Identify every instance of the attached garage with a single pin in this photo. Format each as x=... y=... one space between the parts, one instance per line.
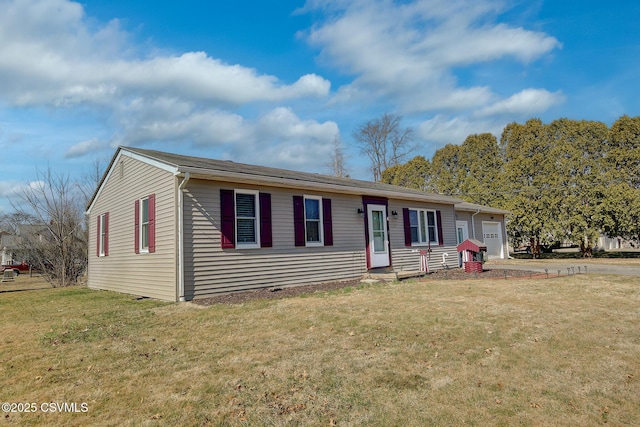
x=485 y=224
x=492 y=238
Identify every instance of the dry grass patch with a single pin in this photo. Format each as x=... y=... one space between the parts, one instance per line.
x=571 y=262
x=544 y=352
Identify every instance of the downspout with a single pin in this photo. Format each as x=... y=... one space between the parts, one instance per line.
x=504 y=226
x=181 y=188
x=473 y=224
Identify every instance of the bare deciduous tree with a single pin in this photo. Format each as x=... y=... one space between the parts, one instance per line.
x=90 y=180
x=11 y=222
x=385 y=142
x=55 y=239
x=337 y=160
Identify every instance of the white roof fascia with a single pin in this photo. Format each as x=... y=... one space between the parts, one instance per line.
x=161 y=165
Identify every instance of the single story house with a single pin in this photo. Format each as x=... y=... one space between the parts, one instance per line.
x=176 y=227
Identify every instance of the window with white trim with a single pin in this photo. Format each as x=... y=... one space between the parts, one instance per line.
x=103 y=235
x=247 y=223
x=144 y=225
x=423 y=225
x=102 y=241
x=313 y=220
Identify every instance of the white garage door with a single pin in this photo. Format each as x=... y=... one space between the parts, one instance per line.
x=492 y=237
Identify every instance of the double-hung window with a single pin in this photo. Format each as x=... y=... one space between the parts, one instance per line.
x=312 y=224
x=423 y=226
x=245 y=219
x=103 y=235
x=145 y=224
x=313 y=220
x=247 y=214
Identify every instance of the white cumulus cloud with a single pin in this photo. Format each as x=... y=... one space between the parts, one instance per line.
x=526 y=102
x=408 y=52
x=51 y=55
x=442 y=129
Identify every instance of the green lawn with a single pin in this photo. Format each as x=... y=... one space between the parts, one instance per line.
x=563 y=351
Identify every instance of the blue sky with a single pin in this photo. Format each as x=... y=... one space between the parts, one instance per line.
x=274 y=83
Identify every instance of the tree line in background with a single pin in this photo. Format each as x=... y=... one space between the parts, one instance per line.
x=566 y=181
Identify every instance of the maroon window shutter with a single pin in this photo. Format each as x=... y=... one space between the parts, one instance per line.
x=327 y=223
x=439 y=224
x=136 y=237
x=98 y=239
x=266 y=240
x=228 y=219
x=407 y=226
x=298 y=220
x=152 y=223
x=106 y=234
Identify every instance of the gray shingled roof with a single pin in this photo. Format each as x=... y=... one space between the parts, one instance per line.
x=210 y=167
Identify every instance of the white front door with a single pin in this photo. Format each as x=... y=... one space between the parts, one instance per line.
x=462 y=232
x=492 y=238
x=378 y=236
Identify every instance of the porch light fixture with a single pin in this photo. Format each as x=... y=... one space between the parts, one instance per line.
x=361 y=212
x=394 y=213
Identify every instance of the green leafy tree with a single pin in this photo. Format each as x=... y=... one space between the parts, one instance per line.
x=533 y=202
x=619 y=214
x=448 y=170
x=416 y=173
x=620 y=211
x=578 y=150
x=472 y=171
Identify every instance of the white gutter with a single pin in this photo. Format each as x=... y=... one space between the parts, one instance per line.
x=181 y=188
x=473 y=224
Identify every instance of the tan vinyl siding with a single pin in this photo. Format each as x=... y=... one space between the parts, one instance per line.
x=491 y=218
x=466 y=216
x=407 y=257
x=146 y=274
x=210 y=269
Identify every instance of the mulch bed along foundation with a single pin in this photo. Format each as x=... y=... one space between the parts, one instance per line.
x=291 y=291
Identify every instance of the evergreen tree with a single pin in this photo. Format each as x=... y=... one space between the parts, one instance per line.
x=533 y=202
x=416 y=173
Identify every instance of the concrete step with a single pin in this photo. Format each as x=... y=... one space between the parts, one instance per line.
x=389 y=275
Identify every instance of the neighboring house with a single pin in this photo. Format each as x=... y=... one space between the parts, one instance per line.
x=606 y=243
x=8 y=244
x=177 y=227
x=15 y=248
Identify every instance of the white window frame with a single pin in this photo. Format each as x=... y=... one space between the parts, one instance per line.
x=103 y=234
x=256 y=201
x=320 y=221
x=421 y=224
x=144 y=249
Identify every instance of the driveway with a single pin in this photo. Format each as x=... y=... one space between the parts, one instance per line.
x=629 y=267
